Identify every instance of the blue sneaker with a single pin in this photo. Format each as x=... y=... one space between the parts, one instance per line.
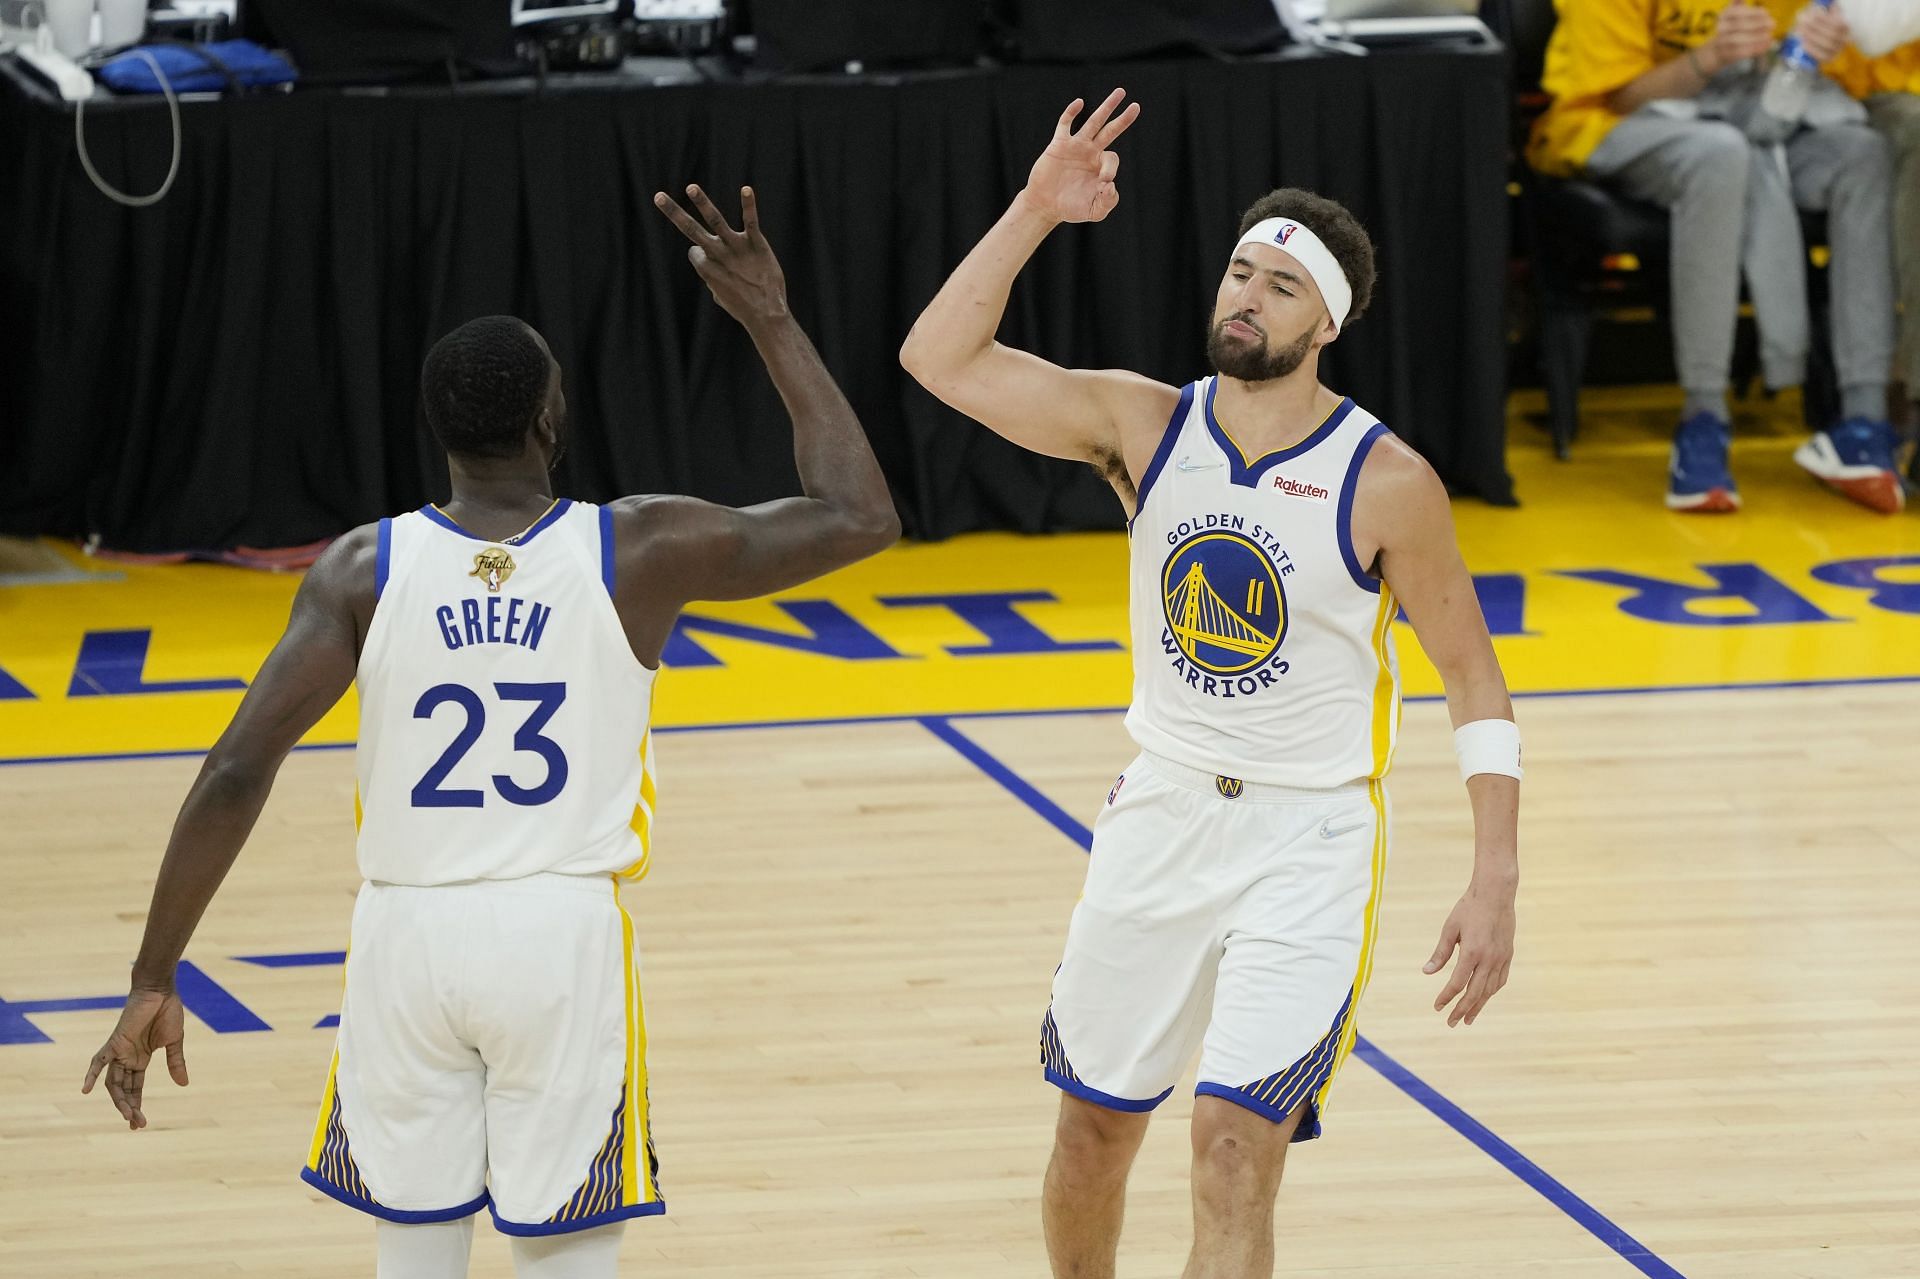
x=1698 y=480
x=1855 y=459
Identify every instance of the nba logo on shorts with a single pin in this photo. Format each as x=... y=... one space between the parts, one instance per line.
x=1115 y=792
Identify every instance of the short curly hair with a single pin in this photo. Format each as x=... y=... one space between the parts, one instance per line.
x=483 y=385
x=1337 y=228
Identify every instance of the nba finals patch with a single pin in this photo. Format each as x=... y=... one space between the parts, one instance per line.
x=493 y=566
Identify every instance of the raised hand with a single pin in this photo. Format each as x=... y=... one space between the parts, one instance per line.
x=151 y=1021
x=1072 y=181
x=738 y=266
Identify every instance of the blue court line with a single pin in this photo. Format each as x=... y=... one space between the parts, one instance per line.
x=1024 y=791
x=836 y=721
x=1596 y=1223
x=1554 y=1192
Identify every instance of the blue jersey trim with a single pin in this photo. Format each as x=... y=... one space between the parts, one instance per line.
x=395 y=1215
x=1343 y=514
x=622 y=1213
x=382 y=557
x=1162 y=453
x=1309 y=1123
x=544 y=522
x=1074 y=1087
x=1249 y=473
x=446 y=521
x=606 y=547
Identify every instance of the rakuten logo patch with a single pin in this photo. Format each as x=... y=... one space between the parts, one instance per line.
x=1295 y=488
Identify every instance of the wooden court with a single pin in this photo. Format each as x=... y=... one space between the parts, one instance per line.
x=1704 y=1066
x=848 y=933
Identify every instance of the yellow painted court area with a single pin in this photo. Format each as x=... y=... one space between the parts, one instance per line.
x=1799 y=587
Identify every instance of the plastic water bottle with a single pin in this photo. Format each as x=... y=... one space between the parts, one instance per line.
x=1789 y=86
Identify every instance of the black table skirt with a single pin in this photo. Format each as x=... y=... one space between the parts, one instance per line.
x=238 y=365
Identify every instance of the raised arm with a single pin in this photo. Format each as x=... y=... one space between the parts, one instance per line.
x=672 y=550
x=1401 y=509
x=307 y=672
x=1108 y=417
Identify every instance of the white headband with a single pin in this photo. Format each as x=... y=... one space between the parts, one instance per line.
x=1305 y=247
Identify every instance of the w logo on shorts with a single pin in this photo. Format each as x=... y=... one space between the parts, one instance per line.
x=1229 y=787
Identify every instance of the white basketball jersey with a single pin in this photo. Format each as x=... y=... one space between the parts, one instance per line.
x=1262 y=649
x=503 y=716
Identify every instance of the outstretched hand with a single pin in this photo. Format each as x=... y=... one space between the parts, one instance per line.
x=738 y=266
x=151 y=1021
x=1073 y=180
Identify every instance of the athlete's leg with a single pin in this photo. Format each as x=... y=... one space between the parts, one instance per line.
x=1086 y=1187
x=435 y=1251
x=584 y=1254
x=1237 y=1160
x=1130 y=1000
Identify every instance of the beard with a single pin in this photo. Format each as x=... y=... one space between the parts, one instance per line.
x=1244 y=362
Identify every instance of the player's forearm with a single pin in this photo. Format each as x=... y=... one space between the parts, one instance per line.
x=1477 y=690
x=1496 y=831
x=1675 y=78
x=213 y=825
x=830 y=448
x=964 y=315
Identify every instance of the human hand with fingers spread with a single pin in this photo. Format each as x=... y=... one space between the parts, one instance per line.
x=1481 y=930
x=738 y=266
x=1073 y=180
x=152 y=1021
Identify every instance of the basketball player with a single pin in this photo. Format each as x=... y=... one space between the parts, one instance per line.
x=491 y=1051
x=1276 y=530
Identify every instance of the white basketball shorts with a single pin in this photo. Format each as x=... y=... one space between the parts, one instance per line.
x=492 y=1054
x=1224 y=915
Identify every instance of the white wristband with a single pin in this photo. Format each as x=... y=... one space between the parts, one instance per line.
x=1488 y=746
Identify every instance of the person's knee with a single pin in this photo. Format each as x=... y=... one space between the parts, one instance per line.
x=1861 y=146
x=1901 y=123
x=1233 y=1147
x=1716 y=156
x=582 y=1254
x=433 y=1250
x=1093 y=1139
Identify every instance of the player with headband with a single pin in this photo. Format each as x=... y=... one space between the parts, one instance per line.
x=1277 y=529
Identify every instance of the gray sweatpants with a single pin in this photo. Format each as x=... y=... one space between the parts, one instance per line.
x=1897 y=116
x=1733 y=208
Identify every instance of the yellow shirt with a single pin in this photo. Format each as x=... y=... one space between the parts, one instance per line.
x=1896 y=71
x=1600 y=45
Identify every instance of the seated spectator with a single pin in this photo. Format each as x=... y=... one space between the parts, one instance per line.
x=1656 y=98
x=1890 y=87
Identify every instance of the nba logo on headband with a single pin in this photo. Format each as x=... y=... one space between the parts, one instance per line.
x=1307 y=249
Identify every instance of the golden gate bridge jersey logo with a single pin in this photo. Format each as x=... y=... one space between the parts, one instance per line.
x=1226 y=611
